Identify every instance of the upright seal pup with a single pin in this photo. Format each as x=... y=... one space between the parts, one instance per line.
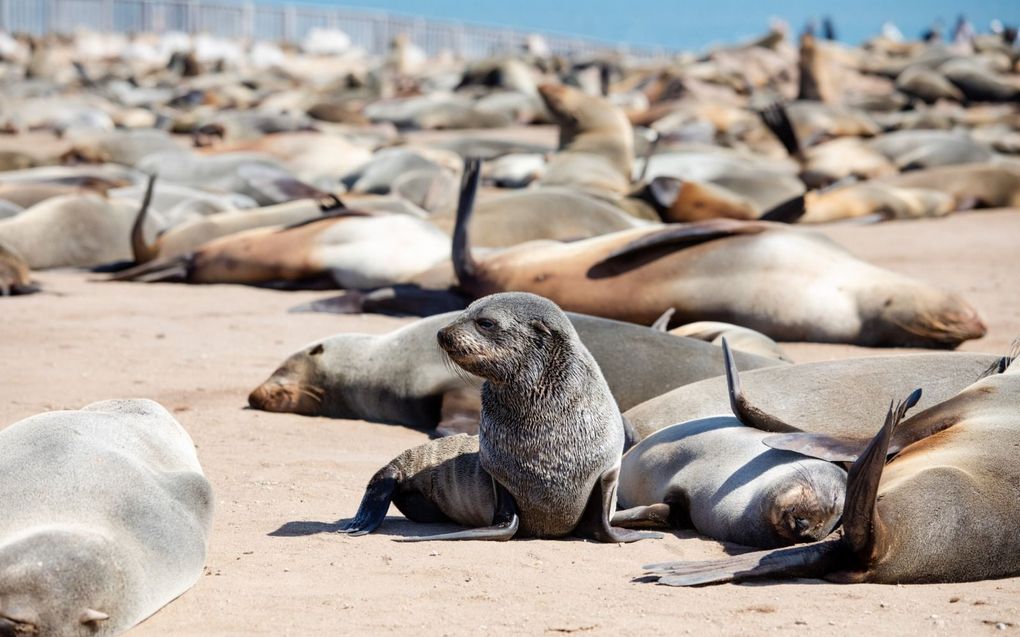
x=718 y=270
x=111 y=521
x=551 y=435
x=944 y=509
x=403 y=377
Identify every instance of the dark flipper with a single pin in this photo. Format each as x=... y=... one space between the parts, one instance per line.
x=864 y=532
x=652 y=516
x=595 y=523
x=396 y=300
x=464 y=264
x=790 y=211
x=173 y=270
x=808 y=560
x=504 y=523
x=661 y=324
x=775 y=117
x=746 y=413
x=375 y=503
x=673 y=238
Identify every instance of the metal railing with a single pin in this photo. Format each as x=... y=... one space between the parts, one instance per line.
x=370 y=30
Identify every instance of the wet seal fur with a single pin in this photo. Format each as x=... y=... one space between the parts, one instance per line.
x=112 y=519
x=942 y=510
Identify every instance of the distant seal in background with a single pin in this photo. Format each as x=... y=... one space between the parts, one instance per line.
x=596 y=149
x=544 y=391
x=403 y=377
x=740 y=338
x=942 y=510
x=112 y=519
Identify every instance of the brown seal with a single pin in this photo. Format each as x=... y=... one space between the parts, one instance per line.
x=718 y=270
x=942 y=510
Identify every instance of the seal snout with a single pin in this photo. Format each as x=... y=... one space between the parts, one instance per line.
x=290 y=397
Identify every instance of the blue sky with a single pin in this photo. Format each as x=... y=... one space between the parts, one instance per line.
x=696 y=23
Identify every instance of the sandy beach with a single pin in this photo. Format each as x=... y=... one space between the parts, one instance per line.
x=281 y=481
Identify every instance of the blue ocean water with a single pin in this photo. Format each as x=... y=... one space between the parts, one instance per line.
x=694 y=24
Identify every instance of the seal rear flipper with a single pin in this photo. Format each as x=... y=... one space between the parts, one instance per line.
x=775 y=117
x=746 y=413
x=279 y=186
x=661 y=324
x=396 y=300
x=174 y=270
x=790 y=211
x=142 y=251
x=504 y=523
x=375 y=503
x=652 y=516
x=595 y=523
x=806 y=560
x=821 y=446
x=864 y=532
x=464 y=265
x=673 y=238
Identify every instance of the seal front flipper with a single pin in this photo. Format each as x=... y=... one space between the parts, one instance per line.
x=673 y=238
x=807 y=560
x=375 y=503
x=746 y=413
x=504 y=523
x=595 y=523
x=661 y=324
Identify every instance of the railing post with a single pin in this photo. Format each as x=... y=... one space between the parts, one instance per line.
x=289 y=23
x=248 y=20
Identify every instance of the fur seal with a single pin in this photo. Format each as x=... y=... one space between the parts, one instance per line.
x=715 y=270
x=810 y=393
x=543 y=391
x=982 y=185
x=112 y=522
x=740 y=338
x=716 y=475
x=942 y=510
x=75 y=230
x=596 y=149
x=403 y=377
x=346 y=248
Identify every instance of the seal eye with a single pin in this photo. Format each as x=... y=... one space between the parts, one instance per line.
x=485 y=324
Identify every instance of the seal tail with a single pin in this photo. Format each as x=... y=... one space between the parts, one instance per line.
x=143 y=251
x=863 y=530
x=173 y=270
x=775 y=117
x=375 y=503
x=809 y=560
x=464 y=264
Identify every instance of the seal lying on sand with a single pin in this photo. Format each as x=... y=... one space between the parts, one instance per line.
x=543 y=390
x=403 y=377
x=944 y=509
x=788 y=284
x=346 y=248
x=824 y=397
x=112 y=519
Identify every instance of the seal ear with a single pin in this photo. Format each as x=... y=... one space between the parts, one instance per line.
x=92 y=616
x=540 y=326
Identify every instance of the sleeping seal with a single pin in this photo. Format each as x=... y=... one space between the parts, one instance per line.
x=112 y=519
x=717 y=270
x=942 y=510
x=403 y=377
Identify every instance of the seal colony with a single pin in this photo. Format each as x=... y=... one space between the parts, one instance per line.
x=580 y=293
